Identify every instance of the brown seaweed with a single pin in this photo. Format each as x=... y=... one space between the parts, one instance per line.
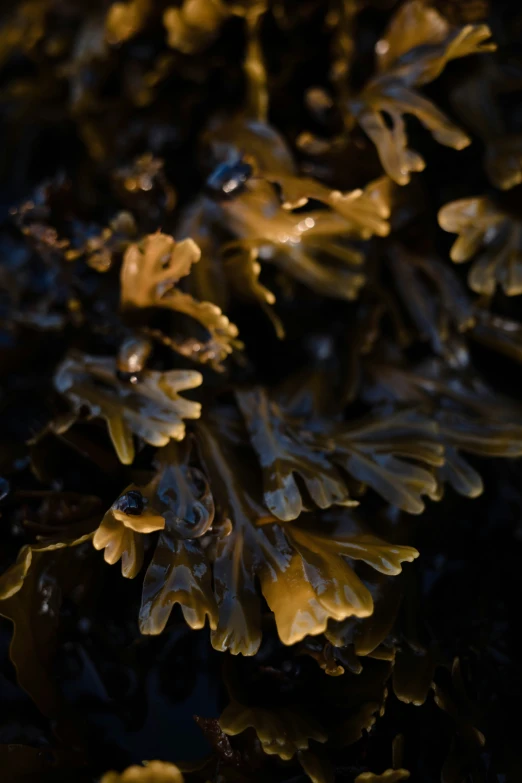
x=241 y=363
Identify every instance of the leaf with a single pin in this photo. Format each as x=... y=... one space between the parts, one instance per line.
x=307 y=264
x=469 y=416
x=284 y=453
x=486 y=86
x=282 y=732
x=413 y=674
x=120 y=534
x=503 y=161
x=298 y=243
x=485 y=438
x=150 y=273
x=33 y=642
x=152 y=772
x=368 y=633
x=457 y=472
x=31 y=594
x=177 y=503
x=207 y=280
x=150 y=408
x=413 y=25
x=317 y=576
x=434 y=297
x=414 y=51
x=152 y=267
x=13 y=578
x=228 y=138
x=243 y=270
x=179 y=571
x=236 y=559
x=365 y=211
x=492 y=238
x=301 y=567
x=382 y=452
x=315 y=247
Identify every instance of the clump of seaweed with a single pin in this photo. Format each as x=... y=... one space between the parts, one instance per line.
x=239 y=365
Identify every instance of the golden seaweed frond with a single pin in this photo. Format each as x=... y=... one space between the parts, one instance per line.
x=149 y=406
x=150 y=274
x=491 y=237
x=413 y=52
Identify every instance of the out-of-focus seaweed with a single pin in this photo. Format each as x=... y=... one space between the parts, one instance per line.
x=490 y=236
x=152 y=772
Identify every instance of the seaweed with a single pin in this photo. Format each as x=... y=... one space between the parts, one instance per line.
x=244 y=362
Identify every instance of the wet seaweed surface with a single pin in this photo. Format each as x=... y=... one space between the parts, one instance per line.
x=260 y=349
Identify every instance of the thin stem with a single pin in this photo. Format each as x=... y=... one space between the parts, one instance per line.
x=255 y=71
x=343 y=16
